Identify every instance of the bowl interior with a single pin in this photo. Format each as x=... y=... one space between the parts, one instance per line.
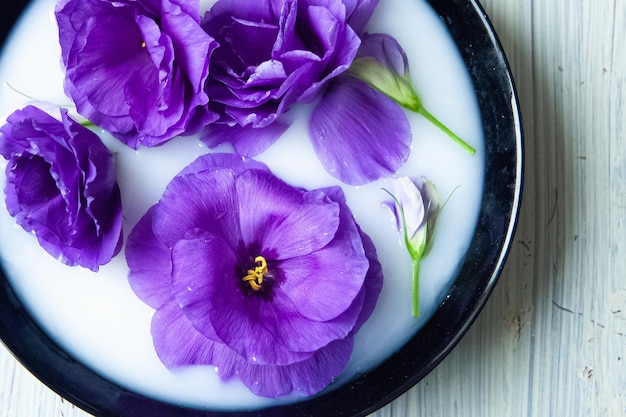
x=491 y=77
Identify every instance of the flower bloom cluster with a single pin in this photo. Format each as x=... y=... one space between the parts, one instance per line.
x=260 y=279
x=263 y=280
x=61 y=186
x=148 y=71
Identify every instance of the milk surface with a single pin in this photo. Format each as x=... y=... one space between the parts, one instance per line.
x=98 y=319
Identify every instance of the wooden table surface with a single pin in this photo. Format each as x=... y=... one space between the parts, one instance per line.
x=551 y=340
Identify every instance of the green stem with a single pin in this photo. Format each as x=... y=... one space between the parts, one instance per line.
x=415 y=263
x=421 y=110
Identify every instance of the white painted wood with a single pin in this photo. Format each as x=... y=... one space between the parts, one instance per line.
x=552 y=339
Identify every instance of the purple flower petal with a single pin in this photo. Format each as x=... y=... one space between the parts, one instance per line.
x=308 y=376
x=282 y=220
x=169 y=327
x=268 y=331
x=373 y=282
x=198 y=201
x=247 y=140
x=359 y=134
x=339 y=267
x=150 y=265
x=200 y=255
x=215 y=161
x=374 y=279
x=359 y=13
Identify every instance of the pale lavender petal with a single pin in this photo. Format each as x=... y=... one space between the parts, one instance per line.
x=387 y=51
x=359 y=134
x=411 y=201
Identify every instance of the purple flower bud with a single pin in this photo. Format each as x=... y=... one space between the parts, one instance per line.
x=415 y=207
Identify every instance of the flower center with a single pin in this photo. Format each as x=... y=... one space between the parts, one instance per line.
x=255 y=276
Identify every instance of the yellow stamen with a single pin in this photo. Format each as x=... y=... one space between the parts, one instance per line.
x=255 y=276
x=143 y=44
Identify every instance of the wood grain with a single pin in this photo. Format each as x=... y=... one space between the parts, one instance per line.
x=551 y=340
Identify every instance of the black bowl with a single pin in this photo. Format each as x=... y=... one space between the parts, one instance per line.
x=491 y=77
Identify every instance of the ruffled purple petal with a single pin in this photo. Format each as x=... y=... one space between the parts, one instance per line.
x=335 y=272
x=307 y=377
x=283 y=221
x=216 y=161
x=177 y=342
x=359 y=13
x=206 y=201
x=359 y=134
x=150 y=265
x=274 y=54
x=247 y=140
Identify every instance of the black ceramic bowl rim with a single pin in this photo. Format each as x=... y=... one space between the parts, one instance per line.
x=498 y=105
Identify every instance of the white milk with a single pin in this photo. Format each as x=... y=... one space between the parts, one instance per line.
x=99 y=320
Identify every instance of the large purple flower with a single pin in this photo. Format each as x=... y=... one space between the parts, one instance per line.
x=137 y=68
x=264 y=281
x=61 y=186
x=275 y=53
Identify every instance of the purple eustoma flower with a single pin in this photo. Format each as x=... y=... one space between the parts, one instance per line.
x=262 y=280
x=276 y=53
x=61 y=187
x=137 y=68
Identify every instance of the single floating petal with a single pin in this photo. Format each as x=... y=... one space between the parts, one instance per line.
x=358 y=133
